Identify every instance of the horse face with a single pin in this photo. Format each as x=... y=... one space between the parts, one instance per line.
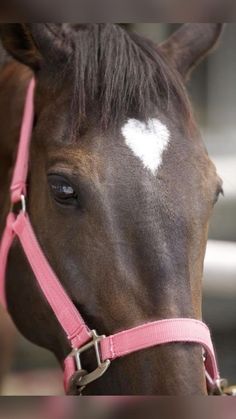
x=122 y=215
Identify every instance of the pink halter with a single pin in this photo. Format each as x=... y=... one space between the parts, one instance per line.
x=78 y=334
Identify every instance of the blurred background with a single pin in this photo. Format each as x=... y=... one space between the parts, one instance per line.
x=212 y=89
x=118 y=11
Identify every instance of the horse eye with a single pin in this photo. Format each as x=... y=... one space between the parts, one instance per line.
x=61 y=190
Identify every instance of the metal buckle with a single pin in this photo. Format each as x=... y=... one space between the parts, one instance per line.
x=220 y=386
x=217 y=387
x=223 y=389
x=23 y=204
x=102 y=367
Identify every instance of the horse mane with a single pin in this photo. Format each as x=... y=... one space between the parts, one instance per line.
x=121 y=74
x=116 y=74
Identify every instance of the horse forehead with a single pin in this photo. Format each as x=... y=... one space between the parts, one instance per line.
x=147 y=141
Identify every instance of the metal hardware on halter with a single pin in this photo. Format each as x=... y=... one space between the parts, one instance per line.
x=217 y=387
x=23 y=205
x=102 y=367
x=222 y=388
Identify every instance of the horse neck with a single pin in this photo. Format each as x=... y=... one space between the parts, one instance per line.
x=13 y=81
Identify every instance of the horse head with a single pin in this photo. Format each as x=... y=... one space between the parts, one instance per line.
x=120 y=190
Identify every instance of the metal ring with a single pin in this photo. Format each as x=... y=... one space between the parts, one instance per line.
x=15 y=209
x=23 y=203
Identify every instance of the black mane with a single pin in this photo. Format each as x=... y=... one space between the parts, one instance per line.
x=120 y=74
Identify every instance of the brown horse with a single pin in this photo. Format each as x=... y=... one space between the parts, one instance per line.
x=120 y=189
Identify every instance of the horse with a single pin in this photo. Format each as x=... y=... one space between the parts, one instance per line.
x=120 y=189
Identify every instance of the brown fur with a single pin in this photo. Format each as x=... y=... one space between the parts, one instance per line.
x=131 y=247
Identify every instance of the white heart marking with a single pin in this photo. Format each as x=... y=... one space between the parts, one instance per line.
x=147 y=141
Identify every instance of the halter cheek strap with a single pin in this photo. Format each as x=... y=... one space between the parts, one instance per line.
x=81 y=338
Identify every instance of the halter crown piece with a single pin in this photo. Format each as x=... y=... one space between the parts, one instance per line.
x=81 y=338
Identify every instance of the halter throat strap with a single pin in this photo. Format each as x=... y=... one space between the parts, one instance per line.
x=81 y=338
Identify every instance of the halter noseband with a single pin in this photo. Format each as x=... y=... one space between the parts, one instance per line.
x=81 y=338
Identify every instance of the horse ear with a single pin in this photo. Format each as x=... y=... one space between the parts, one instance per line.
x=190 y=44
x=18 y=42
x=34 y=44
